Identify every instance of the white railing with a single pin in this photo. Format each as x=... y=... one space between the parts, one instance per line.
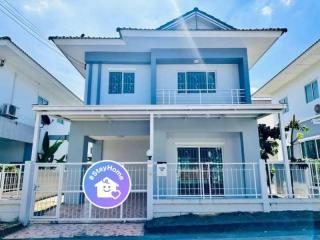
x=11 y=178
x=305 y=180
x=207 y=180
x=58 y=194
x=200 y=96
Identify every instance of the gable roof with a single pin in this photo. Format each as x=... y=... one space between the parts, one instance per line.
x=71 y=94
x=198 y=13
x=297 y=66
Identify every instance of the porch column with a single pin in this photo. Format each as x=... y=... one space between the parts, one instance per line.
x=150 y=171
x=285 y=156
x=36 y=135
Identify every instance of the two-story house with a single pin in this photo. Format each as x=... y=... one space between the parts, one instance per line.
x=24 y=82
x=173 y=105
x=296 y=87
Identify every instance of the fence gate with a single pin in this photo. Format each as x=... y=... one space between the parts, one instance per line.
x=58 y=195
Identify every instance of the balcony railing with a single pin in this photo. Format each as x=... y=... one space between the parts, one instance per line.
x=200 y=96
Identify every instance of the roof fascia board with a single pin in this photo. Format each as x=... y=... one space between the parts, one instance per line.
x=285 y=70
x=89 y=41
x=202 y=33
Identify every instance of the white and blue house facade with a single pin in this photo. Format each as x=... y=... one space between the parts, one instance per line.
x=176 y=100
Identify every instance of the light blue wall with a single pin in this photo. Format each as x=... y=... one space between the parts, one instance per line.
x=95 y=78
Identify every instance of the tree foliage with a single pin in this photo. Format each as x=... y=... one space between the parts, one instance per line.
x=267 y=140
x=300 y=129
x=47 y=154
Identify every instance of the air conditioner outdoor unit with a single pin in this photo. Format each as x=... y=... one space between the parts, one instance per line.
x=9 y=111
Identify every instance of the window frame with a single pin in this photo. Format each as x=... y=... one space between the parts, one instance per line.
x=43 y=100
x=186 y=89
x=304 y=152
x=123 y=89
x=311 y=91
x=285 y=101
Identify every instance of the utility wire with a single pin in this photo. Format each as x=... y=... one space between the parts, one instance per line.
x=29 y=27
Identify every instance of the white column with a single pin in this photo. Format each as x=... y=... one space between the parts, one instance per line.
x=27 y=194
x=285 y=155
x=264 y=188
x=36 y=134
x=150 y=171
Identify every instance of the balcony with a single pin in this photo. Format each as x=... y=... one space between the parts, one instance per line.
x=201 y=96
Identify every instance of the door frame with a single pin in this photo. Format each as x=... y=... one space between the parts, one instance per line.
x=199 y=145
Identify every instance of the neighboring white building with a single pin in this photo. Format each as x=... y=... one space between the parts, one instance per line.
x=297 y=87
x=23 y=83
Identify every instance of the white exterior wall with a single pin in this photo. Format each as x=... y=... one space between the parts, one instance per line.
x=295 y=92
x=227 y=75
x=21 y=83
x=25 y=93
x=211 y=132
x=126 y=149
x=142 y=80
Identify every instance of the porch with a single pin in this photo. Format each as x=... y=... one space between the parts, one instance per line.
x=201 y=159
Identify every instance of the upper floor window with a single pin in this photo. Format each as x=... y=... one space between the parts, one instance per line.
x=311 y=91
x=121 y=82
x=42 y=101
x=285 y=102
x=194 y=82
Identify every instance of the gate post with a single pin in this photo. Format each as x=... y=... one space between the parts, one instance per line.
x=263 y=186
x=27 y=193
x=150 y=171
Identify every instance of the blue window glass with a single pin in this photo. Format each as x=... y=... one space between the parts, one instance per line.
x=128 y=82
x=311 y=91
x=211 y=82
x=115 y=82
x=315 y=90
x=196 y=81
x=181 y=82
x=42 y=101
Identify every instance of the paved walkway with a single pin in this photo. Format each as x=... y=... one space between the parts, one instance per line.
x=73 y=230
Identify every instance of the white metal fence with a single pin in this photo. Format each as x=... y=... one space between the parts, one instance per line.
x=305 y=180
x=11 y=178
x=58 y=194
x=207 y=180
x=200 y=96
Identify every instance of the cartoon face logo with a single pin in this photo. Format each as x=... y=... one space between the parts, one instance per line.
x=106 y=184
x=107 y=188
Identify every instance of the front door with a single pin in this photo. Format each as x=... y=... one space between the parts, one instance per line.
x=200 y=171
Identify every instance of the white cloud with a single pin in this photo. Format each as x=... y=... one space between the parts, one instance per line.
x=37 y=7
x=286 y=2
x=266 y=11
x=42 y=6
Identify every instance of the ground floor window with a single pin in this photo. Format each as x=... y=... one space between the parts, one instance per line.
x=200 y=171
x=310 y=149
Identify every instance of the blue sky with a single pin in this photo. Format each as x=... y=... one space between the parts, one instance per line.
x=102 y=17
